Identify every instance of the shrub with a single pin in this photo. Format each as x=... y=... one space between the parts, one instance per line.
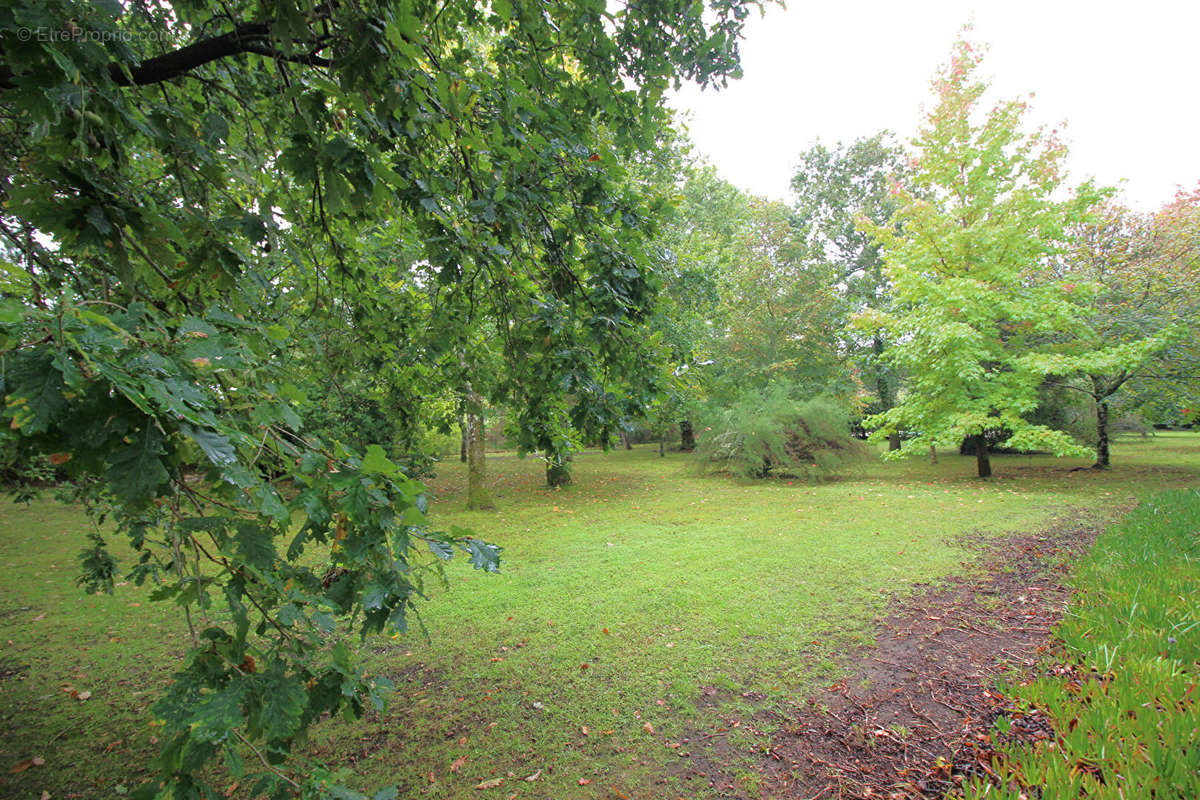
x=773 y=433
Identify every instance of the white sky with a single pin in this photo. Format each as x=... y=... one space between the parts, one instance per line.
x=1124 y=76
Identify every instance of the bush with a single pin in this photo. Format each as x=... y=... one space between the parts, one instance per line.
x=776 y=434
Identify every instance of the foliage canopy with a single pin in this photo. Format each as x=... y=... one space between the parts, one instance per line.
x=194 y=199
x=970 y=327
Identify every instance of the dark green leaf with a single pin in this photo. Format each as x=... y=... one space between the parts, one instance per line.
x=136 y=471
x=217 y=447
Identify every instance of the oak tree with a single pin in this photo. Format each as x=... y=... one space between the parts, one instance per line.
x=187 y=190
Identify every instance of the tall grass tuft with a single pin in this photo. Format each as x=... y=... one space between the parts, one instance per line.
x=773 y=433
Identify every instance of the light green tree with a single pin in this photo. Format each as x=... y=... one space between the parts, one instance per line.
x=984 y=213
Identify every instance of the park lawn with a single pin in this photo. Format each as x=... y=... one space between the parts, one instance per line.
x=644 y=621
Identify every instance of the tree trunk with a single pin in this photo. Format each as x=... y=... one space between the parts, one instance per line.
x=687 y=436
x=478 y=496
x=893 y=441
x=558 y=473
x=462 y=447
x=933 y=453
x=625 y=440
x=982 y=461
x=1101 y=436
x=662 y=446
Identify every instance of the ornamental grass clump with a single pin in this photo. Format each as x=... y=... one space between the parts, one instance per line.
x=776 y=434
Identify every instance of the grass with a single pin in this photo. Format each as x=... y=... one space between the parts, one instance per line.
x=1125 y=705
x=644 y=622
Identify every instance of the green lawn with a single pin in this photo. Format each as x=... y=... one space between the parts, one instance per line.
x=633 y=612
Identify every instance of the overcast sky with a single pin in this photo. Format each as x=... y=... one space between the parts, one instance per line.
x=1124 y=76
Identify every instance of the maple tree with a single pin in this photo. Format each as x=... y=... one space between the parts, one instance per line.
x=979 y=216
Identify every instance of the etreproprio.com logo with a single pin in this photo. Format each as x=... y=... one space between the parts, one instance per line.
x=73 y=33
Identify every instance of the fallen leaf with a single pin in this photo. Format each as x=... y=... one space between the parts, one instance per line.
x=534 y=776
x=648 y=727
x=492 y=784
x=462 y=742
x=21 y=767
x=83 y=695
x=458 y=763
x=583 y=729
x=584 y=781
x=37 y=761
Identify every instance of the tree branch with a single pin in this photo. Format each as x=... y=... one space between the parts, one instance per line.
x=247 y=37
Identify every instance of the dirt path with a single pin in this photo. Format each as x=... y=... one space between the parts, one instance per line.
x=915 y=718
